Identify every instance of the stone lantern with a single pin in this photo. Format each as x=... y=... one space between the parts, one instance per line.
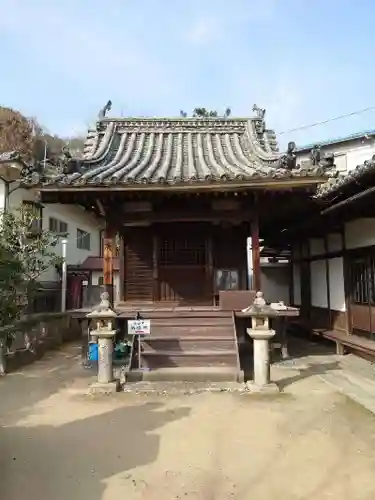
x=261 y=334
x=103 y=318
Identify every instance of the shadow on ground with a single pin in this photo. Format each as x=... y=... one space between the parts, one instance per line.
x=56 y=370
x=73 y=460
x=299 y=348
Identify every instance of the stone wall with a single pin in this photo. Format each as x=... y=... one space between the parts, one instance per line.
x=29 y=338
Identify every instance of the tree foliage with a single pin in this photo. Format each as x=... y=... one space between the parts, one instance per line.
x=11 y=278
x=30 y=139
x=16 y=133
x=33 y=247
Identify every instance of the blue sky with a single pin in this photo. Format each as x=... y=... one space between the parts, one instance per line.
x=304 y=61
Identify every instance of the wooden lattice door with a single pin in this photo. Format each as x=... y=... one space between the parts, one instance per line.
x=182 y=266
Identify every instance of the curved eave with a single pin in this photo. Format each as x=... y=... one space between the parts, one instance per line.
x=271 y=184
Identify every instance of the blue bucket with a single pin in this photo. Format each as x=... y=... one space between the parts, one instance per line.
x=93 y=352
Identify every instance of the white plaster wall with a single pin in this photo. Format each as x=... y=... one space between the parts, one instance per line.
x=316 y=246
x=318 y=283
x=275 y=283
x=348 y=155
x=336 y=284
x=334 y=242
x=297 y=284
x=360 y=233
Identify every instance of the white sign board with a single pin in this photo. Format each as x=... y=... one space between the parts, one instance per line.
x=139 y=327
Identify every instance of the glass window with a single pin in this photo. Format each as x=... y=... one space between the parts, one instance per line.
x=57 y=226
x=83 y=240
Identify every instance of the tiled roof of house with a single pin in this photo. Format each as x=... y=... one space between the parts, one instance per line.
x=178 y=150
x=335 y=183
x=9 y=156
x=94 y=263
x=338 y=140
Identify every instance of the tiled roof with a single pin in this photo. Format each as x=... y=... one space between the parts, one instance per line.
x=178 y=150
x=335 y=183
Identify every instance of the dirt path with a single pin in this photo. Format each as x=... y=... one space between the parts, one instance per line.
x=310 y=443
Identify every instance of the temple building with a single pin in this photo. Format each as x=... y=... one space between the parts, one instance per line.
x=183 y=194
x=180 y=198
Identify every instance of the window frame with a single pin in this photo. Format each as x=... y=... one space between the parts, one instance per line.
x=61 y=225
x=361 y=276
x=81 y=237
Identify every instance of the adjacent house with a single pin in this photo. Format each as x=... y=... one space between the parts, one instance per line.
x=82 y=228
x=333 y=253
x=349 y=151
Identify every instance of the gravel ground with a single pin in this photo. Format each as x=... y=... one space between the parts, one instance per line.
x=309 y=442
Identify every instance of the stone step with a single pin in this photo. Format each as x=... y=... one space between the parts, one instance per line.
x=187 y=374
x=201 y=358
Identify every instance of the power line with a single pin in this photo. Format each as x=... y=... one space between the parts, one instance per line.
x=316 y=124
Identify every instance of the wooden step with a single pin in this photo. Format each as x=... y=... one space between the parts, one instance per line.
x=202 y=358
x=192 y=322
x=188 y=343
x=186 y=331
x=152 y=314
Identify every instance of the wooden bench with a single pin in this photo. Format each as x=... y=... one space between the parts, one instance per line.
x=344 y=342
x=350 y=342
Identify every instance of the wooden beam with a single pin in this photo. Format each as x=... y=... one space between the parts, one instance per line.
x=186 y=216
x=255 y=252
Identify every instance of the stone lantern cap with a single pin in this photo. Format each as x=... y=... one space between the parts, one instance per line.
x=259 y=308
x=103 y=310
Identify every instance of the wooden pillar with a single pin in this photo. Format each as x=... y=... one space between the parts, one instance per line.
x=122 y=268
x=210 y=266
x=291 y=275
x=255 y=253
x=328 y=285
x=108 y=254
x=346 y=277
x=155 y=267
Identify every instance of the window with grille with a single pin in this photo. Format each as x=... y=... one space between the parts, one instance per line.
x=57 y=226
x=361 y=279
x=83 y=240
x=182 y=251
